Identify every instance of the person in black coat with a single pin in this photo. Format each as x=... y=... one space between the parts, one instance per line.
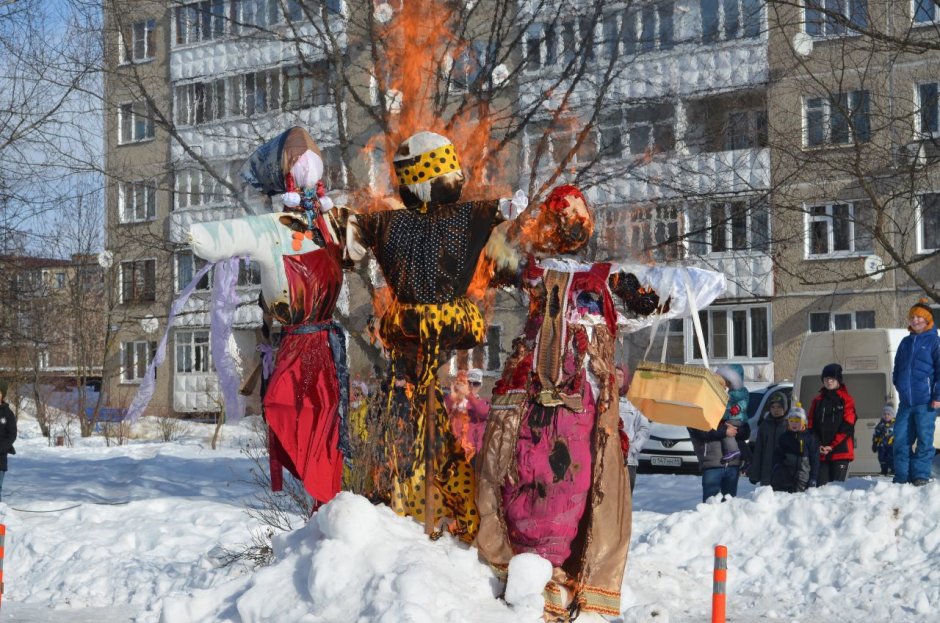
x=796 y=458
x=771 y=427
x=7 y=434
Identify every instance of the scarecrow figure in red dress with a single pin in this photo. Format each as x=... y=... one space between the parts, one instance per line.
x=300 y=254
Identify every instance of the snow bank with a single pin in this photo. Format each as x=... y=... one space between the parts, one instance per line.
x=355 y=562
x=866 y=550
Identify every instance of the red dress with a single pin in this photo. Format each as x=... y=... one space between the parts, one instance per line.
x=302 y=400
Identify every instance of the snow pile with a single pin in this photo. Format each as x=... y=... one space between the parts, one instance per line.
x=865 y=550
x=100 y=534
x=355 y=562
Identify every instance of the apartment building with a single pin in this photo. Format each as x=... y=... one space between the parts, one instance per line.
x=679 y=150
x=854 y=159
x=51 y=316
x=727 y=133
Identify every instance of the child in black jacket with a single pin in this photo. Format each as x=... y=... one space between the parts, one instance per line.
x=796 y=458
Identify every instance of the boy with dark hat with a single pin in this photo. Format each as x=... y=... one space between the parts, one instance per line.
x=916 y=376
x=7 y=432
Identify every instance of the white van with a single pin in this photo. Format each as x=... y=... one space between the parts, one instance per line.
x=867 y=358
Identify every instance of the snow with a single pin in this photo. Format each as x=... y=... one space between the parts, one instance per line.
x=136 y=533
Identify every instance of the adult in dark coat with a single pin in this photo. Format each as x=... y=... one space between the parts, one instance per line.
x=7 y=434
x=768 y=433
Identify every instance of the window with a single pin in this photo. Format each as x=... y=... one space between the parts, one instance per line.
x=187 y=265
x=841 y=321
x=197 y=188
x=729 y=226
x=730 y=19
x=135 y=357
x=486 y=356
x=138 y=41
x=138 y=281
x=554 y=45
x=928 y=222
x=59 y=280
x=202 y=102
x=249 y=273
x=610 y=129
x=203 y=21
x=746 y=129
x=647 y=28
x=563 y=141
x=192 y=352
x=307 y=86
x=928 y=108
x=837 y=120
x=135 y=123
x=650 y=128
x=655 y=230
x=741 y=332
x=827 y=18
x=925 y=11
x=137 y=201
x=262 y=92
x=839 y=229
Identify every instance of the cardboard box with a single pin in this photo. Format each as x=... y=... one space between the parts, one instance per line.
x=680 y=395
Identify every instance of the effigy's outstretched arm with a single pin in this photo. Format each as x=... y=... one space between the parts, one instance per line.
x=645 y=289
x=220 y=240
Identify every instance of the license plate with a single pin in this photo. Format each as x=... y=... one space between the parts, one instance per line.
x=666 y=461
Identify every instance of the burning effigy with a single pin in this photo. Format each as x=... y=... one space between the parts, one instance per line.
x=552 y=479
x=299 y=250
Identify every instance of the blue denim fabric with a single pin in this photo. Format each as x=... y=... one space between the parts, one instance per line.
x=913 y=423
x=722 y=480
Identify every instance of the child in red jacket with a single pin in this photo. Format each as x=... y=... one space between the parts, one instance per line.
x=832 y=421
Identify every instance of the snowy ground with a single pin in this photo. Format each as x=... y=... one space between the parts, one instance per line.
x=133 y=533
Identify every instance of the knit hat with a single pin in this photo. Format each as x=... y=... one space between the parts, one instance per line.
x=797 y=413
x=832 y=371
x=475 y=375
x=922 y=309
x=888 y=409
x=777 y=398
x=732 y=376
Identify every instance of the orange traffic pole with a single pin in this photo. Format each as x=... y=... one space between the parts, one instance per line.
x=3 y=536
x=719 y=590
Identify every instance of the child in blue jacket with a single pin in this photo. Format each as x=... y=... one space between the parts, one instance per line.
x=735 y=412
x=882 y=441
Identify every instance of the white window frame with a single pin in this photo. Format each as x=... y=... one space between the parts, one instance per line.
x=128 y=49
x=919 y=122
x=127 y=115
x=755 y=133
x=848 y=31
x=141 y=347
x=691 y=342
x=196 y=267
x=914 y=20
x=722 y=34
x=195 y=188
x=128 y=209
x=810 y=218
x=708 y=240
x=644 y=227
x=636 y=14
x=832 y=319
x=922 y=247
x=142 y=260
x=190 y=342
x=827 y=118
